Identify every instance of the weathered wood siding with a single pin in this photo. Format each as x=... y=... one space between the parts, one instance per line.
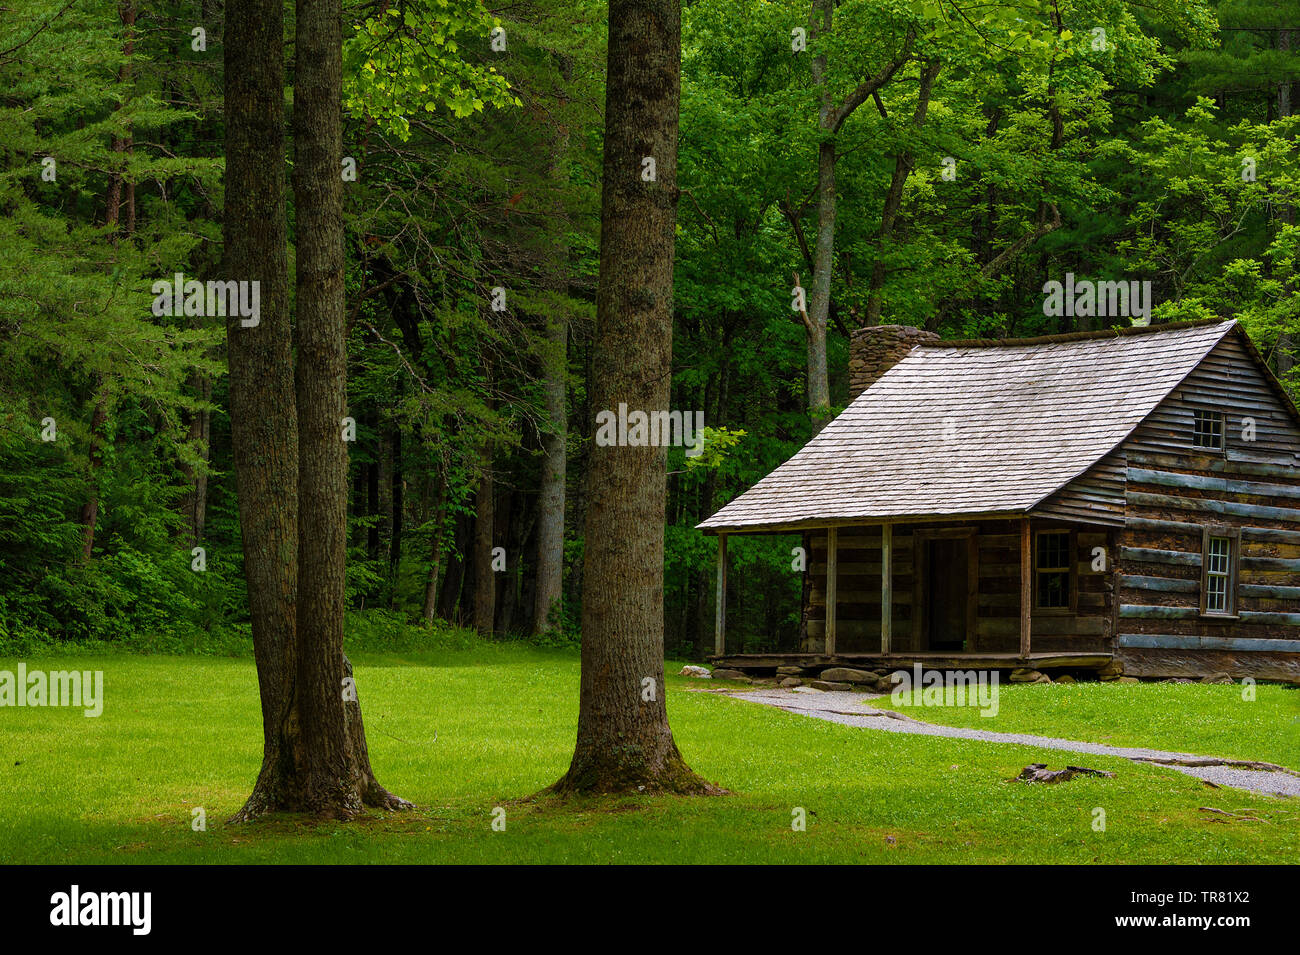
x=1175 y=490
x=1095 y=497
x=1088 y=627
x=1227 y=379
x=857 y=624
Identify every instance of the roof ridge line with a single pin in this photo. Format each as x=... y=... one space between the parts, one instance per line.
x=1067 y=337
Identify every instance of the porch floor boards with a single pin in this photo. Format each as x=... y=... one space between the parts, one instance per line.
x=937 y=661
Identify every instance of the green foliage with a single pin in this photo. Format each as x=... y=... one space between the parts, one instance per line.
x=385 y=631
x=1092 y=136
x=408 y=59
x=716 y=444
x=79 y=344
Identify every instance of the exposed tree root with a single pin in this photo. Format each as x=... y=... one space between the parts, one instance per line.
x=1196 y=761
x=1239 y=816
x=377 y=797
x=1246 y=815
x=1039 y=773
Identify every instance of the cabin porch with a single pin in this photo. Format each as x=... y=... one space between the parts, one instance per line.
x=928 y=661
x=996 y=593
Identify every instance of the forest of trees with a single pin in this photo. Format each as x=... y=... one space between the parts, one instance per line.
x=921 y=163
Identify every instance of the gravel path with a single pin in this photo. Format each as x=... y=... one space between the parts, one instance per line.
x=847 y=708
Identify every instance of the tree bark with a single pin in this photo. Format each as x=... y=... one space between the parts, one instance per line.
x=830 y=117
x=454 y=580
x=819 y=296
x=624 y=742
x=337 y=779
x=263 y=411
x=331 y=784
x=286 y=433
x=550 y=527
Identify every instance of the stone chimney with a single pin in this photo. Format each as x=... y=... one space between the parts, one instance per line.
x=875 y=350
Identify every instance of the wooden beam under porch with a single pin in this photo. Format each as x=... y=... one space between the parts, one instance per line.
x=929 y=661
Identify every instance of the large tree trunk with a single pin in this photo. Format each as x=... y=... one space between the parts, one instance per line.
x=314 y=756
x=263 y=415
x=337 y=776
x=624 y=741
x=331 y=783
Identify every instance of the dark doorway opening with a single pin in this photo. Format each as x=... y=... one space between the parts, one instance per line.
x=945 y=599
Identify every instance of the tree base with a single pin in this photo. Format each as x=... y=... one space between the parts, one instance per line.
x=671 y=777
x=277 y=793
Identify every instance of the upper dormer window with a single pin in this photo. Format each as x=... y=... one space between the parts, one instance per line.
x=1208 y=430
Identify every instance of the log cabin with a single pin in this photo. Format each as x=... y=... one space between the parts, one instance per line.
x=1123 y=501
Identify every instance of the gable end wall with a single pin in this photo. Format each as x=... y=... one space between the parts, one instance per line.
x=1173 y=491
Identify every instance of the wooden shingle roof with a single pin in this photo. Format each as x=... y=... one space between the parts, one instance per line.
x=963 y=428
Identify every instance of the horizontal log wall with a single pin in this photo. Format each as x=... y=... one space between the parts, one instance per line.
x=1167 y=663
x=1089 y=628
x=1175 y=490
x=857 y=621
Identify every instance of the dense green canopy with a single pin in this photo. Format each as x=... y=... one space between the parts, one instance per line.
x=979 y=150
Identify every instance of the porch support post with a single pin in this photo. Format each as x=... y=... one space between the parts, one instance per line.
x=832 y=578
x=720 y=601
x=1026 y=584
x=886 y=586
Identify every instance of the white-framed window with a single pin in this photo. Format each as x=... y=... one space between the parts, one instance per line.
x=1219 y=571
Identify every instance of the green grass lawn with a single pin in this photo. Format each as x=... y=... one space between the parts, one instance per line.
x=1207 y=720
x=463 y=731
